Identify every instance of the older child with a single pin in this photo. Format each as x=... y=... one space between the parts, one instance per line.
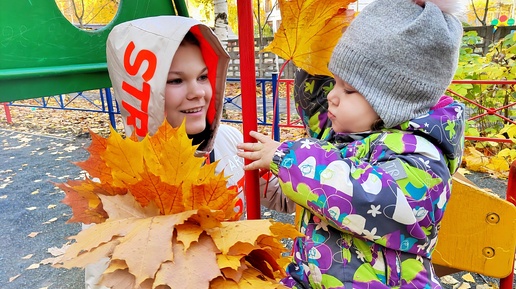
x=174 y=68
x=375 y=190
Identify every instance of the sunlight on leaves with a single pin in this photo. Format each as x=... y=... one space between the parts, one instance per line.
x=309 y=31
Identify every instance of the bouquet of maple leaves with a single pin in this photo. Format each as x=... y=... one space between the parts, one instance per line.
x=164 y=219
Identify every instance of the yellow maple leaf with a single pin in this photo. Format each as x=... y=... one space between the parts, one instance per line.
x=228 y=261
x=231 y=233
x=499 y=166
x=188 y=233
x=475 y=160
x=125 y=158
x=309 y=31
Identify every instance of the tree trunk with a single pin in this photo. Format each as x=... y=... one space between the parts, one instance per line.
x=221 y=20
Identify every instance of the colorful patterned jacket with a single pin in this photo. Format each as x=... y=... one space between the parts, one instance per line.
x=373 y=202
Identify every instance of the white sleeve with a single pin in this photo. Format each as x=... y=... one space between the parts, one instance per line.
x=225 y=152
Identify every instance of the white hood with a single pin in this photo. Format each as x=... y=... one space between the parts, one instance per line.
x=139 y=55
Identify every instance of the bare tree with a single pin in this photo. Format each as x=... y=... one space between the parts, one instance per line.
x=79 y=16
x=257 y=16
x=484 y=17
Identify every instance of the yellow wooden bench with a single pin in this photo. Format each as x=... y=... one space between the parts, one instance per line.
x=478 y=233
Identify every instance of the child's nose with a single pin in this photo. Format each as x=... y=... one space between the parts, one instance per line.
x=332 y=98
x=195 y=91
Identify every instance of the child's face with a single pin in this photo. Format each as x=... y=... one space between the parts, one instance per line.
x=348 y=110
x=188 y=91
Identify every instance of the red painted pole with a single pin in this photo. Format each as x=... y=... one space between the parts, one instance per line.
x=506 y=283
x=248 y=86
x=7 y=113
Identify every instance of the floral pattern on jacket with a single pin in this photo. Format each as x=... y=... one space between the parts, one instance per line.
x=372 y=202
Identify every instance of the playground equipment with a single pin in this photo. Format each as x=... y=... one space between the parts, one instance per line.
x=478 y=232
x=43 y=54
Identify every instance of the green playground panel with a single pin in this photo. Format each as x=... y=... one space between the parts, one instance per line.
x=43 y=54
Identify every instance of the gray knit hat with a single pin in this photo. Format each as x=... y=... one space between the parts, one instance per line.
x=400 y=56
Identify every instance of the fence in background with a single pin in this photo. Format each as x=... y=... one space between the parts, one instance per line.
x=273 y=110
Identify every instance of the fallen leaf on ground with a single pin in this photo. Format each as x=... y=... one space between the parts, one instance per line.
x=50 y=221
x=462 y=285
x=449 y=280
x=33 y=266
x=54 y=251
x=468 y=277
x=13 y=278
x=27 y=256
x=463 y=171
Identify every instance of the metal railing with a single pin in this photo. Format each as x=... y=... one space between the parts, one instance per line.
x=273 y=110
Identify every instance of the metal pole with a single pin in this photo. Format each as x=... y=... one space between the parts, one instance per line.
x=506 y=283
x=248 y=86
x=111 y=112
x=276 y=107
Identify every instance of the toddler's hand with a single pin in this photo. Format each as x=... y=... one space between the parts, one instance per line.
x=261 y=152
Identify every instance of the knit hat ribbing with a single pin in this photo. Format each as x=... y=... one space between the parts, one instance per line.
x=400 y=56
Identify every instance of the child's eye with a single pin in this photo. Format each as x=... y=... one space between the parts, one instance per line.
x=175 y=81
x=349 y=91
x=203 y=77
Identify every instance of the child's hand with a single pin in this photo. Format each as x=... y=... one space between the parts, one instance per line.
x=261 y=152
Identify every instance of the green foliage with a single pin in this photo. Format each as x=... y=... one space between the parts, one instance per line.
x=266 y=32
x=498 y=64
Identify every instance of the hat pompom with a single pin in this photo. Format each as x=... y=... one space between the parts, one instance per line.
x=447 y=6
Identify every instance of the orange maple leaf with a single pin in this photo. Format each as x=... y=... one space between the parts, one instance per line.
x=309 y=31
x=94 y=165
x=168 y=197
x=83 y=198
